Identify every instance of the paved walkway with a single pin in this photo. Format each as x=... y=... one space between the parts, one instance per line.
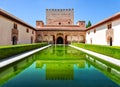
x=103 y=57
x=20 y=56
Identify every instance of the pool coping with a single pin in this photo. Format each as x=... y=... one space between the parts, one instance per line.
x=100 y=56
x=20 y=56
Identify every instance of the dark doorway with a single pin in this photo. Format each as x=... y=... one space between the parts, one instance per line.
x=14 y=40
x=110 y=41
x=31 y=39
x=59 y=40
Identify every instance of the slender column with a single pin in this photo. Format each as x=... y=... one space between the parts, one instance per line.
x=78 y=38
x=55 y=38
x=63 y=38
x=71 y=38
x=48 y=38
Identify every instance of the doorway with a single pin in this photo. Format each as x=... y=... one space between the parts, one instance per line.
x=14 y=40
x=31 y=40
x=59 y=40
x=110 y=41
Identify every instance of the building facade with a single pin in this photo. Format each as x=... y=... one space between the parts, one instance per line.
x=60 y=28
x=106 y=32
x=15 y=31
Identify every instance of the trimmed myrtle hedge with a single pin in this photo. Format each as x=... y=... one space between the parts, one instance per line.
x=7 y=51
x=112 y=51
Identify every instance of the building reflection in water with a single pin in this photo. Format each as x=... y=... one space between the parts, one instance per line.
x=60 y=70
x=111 y=71
x=14 y=69
x=60 y=52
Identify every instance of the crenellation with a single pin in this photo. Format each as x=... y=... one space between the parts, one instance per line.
x=60 y=9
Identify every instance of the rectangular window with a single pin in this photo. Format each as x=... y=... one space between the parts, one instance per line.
x=27 y=30
x=94 y=30
x=32 y=32
x=109 y=26
x=15 y=26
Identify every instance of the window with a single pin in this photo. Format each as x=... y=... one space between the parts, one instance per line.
x=82 y=23
x=94 y=30
x=32 y=32
x=38 y=34
x=15 y=26
x=109 y=26
x=59 y=23
x=27 y=30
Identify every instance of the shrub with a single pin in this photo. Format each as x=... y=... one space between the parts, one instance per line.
x=7 y=51
x=112 y=51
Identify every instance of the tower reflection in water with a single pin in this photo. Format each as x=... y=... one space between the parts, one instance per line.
x=60 y=70
x=59 y=62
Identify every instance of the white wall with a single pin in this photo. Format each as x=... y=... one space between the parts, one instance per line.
x=6 y=27
x=100 y=36
x=116 y=27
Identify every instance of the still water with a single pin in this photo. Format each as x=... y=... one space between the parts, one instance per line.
x=59 y=66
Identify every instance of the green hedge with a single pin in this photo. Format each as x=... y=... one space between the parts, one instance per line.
x=7 y=51
x=112 y=51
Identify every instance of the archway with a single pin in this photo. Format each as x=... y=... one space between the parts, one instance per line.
x=14 y=40
x=59 y=40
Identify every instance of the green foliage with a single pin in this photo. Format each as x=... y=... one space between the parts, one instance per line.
x=89 y=24
x=106 y=50
x=7 y=51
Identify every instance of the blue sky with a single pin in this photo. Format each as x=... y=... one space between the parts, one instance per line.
x=32 y=10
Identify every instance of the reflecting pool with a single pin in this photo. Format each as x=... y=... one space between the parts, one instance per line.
x=59 y=66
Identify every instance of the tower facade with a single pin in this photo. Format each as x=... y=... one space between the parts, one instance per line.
x=59 y=16
x=60 y=27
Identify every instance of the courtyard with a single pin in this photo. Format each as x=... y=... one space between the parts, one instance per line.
x=60 y=43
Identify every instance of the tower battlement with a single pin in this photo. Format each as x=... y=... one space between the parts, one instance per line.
x=60 y=9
